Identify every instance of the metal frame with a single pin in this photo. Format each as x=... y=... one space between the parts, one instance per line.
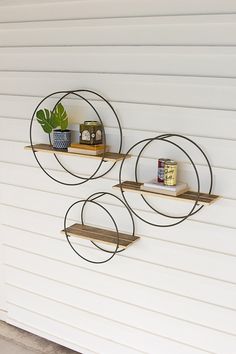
x=91 y=199
x=165 y=137
x=76 y=93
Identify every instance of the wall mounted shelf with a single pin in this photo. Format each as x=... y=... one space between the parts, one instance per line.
x=113 y=157
x=46 y=148
x=120 y=241
x=100 y=235
x=135 y=187
x=198 y=199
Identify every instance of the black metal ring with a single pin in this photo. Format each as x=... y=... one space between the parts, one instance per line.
x=67 y=236
x=103 y=154
x=102 y=160
x=164 y=137
x=198 y=191
x=99 y=195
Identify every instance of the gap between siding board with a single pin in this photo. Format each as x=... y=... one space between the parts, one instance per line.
x=67 y=324
x=132 y=156
x=18 y=119
x=86 y=175
x=43 y=213
x=40 y=333
x=119 y=322
x=112 y=73
x=140 y=235
x=114 y=299
x=158 y=335
x=118 y=45
x=142 y=261
x=213 y=18
x=119 y=278
x=130 y=102
x=195 y=14
x=117 y=73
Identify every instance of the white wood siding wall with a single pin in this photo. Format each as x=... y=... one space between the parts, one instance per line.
x=166 y=66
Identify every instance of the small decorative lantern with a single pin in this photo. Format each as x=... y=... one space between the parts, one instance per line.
x=91 y=132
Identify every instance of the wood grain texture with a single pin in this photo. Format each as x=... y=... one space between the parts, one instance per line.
x=108 y=156
x=100 y=235
x=165 y=67
x=204 y=198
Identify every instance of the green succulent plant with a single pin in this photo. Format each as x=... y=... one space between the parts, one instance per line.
x=50 y=120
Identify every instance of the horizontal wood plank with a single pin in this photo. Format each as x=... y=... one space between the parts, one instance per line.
x=135 y=187
x=100 y=235
x=108 y=156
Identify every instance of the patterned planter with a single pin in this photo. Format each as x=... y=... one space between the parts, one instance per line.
x=61 y=139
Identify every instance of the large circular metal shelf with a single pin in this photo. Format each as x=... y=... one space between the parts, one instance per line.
x=94 y=175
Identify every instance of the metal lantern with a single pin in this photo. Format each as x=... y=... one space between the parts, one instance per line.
x=91 y=132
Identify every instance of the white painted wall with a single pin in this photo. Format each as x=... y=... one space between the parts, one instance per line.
x=166 y=67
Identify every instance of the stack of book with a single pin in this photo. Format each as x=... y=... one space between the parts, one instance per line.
x=154 y=186
x=93 y=150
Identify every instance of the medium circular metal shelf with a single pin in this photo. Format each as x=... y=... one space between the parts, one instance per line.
x=165 y=137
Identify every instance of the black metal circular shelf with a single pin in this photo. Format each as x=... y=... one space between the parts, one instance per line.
x=91 y=199
x=165 y=137
x=76 y=93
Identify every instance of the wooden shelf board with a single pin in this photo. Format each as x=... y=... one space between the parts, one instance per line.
x=100 y=235
x=46 y=148
x=204 y=199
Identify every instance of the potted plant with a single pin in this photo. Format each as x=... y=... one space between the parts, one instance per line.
x=50 y=120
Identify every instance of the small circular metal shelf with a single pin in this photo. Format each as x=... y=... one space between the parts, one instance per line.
x=106 y=236
x=165 y=138
x=77 y=93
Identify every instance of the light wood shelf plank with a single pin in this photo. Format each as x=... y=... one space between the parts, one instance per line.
x=100 y=235
x=46 y=148
x=135 y=187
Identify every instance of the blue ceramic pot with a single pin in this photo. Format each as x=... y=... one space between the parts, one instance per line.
x=61 y=139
